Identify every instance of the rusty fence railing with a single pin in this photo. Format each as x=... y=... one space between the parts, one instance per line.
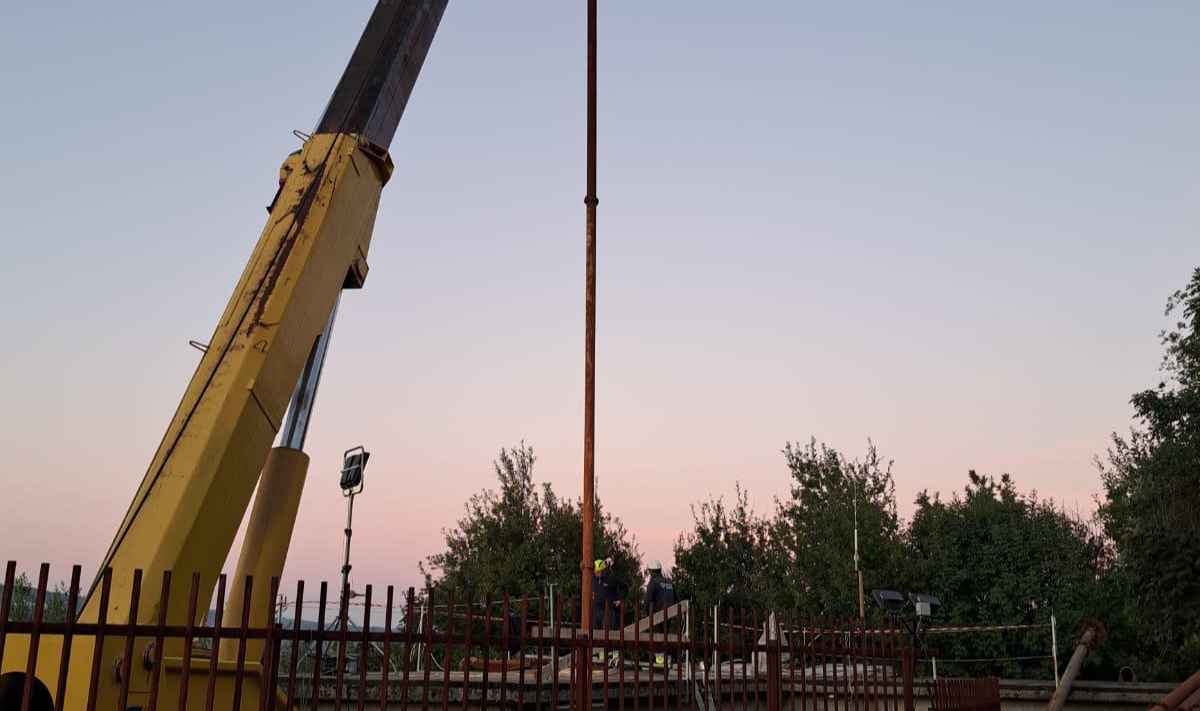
x=976 y=694
x=429 y=650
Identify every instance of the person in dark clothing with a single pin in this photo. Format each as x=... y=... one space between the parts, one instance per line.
x=515 y=634
x=660 y=594
x=608 y=592
x=660 y=591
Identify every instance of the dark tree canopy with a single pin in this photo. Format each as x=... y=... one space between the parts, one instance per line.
x=521 y=538
x=815 y=526
x=728 y=558
x=803 y=556
x=23 y=597
x=994 y=555
x=1152 y=496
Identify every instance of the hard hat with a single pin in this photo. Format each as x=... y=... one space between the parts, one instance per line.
x=654 y=565
x=599 y=565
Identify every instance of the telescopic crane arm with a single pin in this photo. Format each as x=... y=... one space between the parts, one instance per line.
x=194 y=496
x=272 y=334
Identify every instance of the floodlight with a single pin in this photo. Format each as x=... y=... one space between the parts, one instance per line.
x=925 y=605
x=354 y=461
x=890 y=601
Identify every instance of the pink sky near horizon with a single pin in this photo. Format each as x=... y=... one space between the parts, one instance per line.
x=950 y=230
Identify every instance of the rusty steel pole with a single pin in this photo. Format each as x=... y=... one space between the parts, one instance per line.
x=1183 y=696
x=589 y=362
x=1093 y=636
x=583 y=654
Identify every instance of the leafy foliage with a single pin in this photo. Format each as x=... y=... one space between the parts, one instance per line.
x=521 y=538
x=802 y=557
x=1152 y=495
x=993 y=554
x=24 y=596
x=815 y=527
x=728 y=557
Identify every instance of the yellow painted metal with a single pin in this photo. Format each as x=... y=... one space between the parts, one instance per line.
x=16 y=649
x=16 y=653
x=194 y=496
x=195 y=493
x=265 y=546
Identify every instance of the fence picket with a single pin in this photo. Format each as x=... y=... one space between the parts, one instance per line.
x=748 y=658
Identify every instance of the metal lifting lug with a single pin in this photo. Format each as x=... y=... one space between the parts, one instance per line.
x=356 y=275
x=379 y=156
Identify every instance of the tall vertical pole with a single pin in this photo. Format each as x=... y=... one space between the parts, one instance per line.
x=862 y=612
x=1054 y=648
x=853 y=482
x=344 y=611
x=583 y=655
x=589 y=372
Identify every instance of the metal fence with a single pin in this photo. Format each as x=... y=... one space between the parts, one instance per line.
x=433 y=650
x=980 y=694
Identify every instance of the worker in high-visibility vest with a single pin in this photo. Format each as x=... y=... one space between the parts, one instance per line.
x=608 y=593
x=660 y=594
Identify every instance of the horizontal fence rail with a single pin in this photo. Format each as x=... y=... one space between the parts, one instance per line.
x=427 y=649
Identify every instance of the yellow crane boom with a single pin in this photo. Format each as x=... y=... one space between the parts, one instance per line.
x=195 y=494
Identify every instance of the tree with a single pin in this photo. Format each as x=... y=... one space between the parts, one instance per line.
x=24 y=595
x=1152 y=494
x=522 y=538
x=20 y=608
x=993 y=555
x=728 y=557
x=56 y=603
x=815 y=527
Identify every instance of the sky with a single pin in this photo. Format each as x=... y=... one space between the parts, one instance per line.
x=947 y=228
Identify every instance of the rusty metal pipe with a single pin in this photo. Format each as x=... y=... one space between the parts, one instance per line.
x=589 y=366
x=1181 y=695
x=1093 y=636
x=582 y=660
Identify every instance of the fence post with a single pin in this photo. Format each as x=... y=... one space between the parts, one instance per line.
x=1054 y=649
x=716 y=636
x=907 y=666
x=774 y=666
x=582 y=659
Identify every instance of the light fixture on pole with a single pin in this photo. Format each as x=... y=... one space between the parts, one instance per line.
x=853 y=481
x=354 y=463
x=913 y=610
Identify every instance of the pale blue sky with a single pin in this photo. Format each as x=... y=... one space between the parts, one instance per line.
x=947 y=226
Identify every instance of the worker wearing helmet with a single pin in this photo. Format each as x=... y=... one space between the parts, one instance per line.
x=660 y=591
x=660 y=594
x=608 y=591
